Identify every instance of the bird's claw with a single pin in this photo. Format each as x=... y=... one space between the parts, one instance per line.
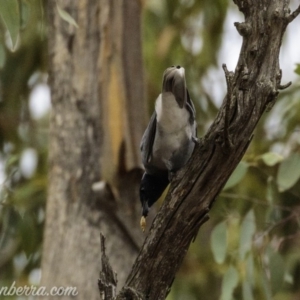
x=196 y=140
x=143 y=223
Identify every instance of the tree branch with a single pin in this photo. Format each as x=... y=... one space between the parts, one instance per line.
x=229 y=100
x=294 y=14
x=194 y=189
x=107 y=282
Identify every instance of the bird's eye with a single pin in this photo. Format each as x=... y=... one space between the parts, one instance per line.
x=178 y=67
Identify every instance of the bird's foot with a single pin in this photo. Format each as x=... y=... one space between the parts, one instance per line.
x=196 y=140
x=143 y=223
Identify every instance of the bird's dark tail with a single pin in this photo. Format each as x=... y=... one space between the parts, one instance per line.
x=152 y=186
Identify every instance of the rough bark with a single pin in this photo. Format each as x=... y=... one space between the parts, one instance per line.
x=252 y=88
x=97 y=120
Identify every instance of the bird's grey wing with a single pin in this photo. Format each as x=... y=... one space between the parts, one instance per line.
x=191 y=108
x=148 y=139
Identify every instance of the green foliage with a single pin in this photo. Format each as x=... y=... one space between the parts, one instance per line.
x=246 y=233
x=268 y=231
x=297 y=69
x=2 y=56
x=10 y=14
x=277 y=270
x=22 y=197
x=219 y=242
x=289 y=172
x=247 y=291
x=271 y=158
x=262 y=229
x=230 y=281
x=237 y=175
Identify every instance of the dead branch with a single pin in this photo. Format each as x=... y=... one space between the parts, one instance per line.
x=107 y=282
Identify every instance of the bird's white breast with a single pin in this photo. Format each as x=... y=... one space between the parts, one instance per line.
x=170 y=117
x=173 y=132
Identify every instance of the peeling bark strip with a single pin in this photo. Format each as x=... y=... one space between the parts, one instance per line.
x=120 y=64
x=253 y=87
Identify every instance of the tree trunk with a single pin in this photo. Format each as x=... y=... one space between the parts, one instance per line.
x=96 y=125
x=97 y=120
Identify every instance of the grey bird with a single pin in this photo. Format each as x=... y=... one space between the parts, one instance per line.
x=169 y=139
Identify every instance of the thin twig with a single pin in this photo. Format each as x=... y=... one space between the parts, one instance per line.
x=288 y=237
x=294 y=14
x=257 y=201
x=280 y=223
x=284 y=86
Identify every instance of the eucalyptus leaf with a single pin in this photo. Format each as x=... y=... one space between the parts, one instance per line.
x=2 y=56
x=271 y=158
x=247 y=230
x=247 y=291
x=297 y=69
x=237 y=175
x=264 y=282
x=250 y=269
x=288 y=172
x=28 y=234
x=219 y=242
x=276 y=267
x=66 y=16
x=12 y=160
x=10 y=14
x=10 y=220
x=230 y=281
x=271 y=190
x=25 y=13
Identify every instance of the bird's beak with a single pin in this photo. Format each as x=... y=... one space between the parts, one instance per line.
x=174 y=82
x=181 y=72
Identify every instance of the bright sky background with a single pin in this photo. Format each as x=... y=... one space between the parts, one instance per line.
x=229 y=53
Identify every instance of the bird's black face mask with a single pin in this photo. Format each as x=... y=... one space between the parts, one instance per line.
x=150 y=190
